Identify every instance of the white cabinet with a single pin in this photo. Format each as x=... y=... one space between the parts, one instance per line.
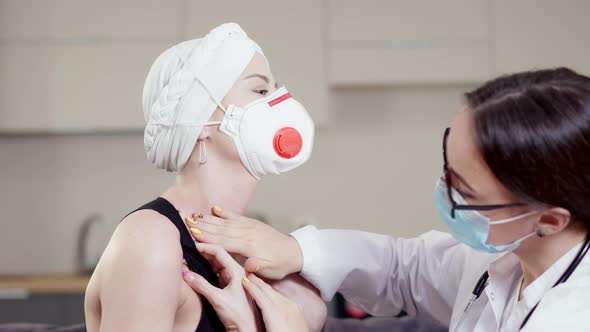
x=73 y=88
x=87 y=20
x=541 y=33
x=77 y=66
x=291 y=34
x=407 y=41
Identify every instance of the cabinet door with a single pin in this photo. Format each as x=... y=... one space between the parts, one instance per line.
x=541 y=33
x=73 y=65
x=74 y=88
x=408 y=41
x=86 y=20
x=289 y=32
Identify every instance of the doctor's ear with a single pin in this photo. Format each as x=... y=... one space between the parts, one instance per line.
x=553 y=221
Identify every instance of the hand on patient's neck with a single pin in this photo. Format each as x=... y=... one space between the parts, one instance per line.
x=199 y=187
x=537 y=258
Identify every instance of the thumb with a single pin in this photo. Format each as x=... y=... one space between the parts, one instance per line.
x=257 y=266
x=224 y=214
x=202 y=286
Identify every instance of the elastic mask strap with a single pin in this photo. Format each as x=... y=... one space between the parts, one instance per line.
x=515 y=243
x=208 y=123
x=218 y=103
x=504 y=221
x=526 y=237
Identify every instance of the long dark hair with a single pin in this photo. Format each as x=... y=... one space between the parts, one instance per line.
x=533 y=131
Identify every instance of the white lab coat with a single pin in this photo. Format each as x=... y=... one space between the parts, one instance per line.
x=433 y=276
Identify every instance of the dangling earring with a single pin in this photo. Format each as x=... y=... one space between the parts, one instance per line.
x=202 y=152
x=540 y=233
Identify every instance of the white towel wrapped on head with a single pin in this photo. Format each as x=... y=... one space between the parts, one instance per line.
x=183 y=87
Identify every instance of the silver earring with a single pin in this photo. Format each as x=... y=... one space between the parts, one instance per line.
x=202 y=152
x=540 y=233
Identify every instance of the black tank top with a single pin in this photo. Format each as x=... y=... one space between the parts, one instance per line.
x=195 y=261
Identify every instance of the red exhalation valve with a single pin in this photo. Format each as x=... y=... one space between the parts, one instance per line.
x=288 y=142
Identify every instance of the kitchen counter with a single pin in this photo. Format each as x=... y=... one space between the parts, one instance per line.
x=43 y=299
x=45 y=284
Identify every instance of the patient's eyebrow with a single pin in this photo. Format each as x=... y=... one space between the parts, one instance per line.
x=262 y=77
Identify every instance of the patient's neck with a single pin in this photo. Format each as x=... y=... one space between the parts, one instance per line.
x=199 y=187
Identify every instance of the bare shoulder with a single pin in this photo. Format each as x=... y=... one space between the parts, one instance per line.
x=145 y=241
x=139 y=273
x=142 y=227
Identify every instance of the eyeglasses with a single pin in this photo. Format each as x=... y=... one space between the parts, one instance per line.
x=447 y=178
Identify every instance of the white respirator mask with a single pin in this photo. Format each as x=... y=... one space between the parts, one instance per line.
x=273 y=134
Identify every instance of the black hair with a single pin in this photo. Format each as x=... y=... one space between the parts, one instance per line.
x=533 y=131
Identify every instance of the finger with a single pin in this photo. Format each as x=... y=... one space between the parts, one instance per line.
x=223 y=231
x=211 y=219
x=191 y=221
x=202 y=286
x=230 y=230
x=261 y=299
x=224 y=214
x=217 y=268
x=203 y=227
x=217 y=256
x=215 y=253
x=202 y=235
x=263 y=286
x=231 y=245
x=256 y=265
x=228 y=224
x=204 y=223
x=197 y=216
x=197 y=220
x=224 y=278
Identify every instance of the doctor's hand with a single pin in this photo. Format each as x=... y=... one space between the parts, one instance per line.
x=279 y=313
x=270 y=253
x=233 y=306
x=300 y=291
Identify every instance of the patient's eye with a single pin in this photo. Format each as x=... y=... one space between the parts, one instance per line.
x=263 y=92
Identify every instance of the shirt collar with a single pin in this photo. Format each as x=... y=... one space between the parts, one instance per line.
x=533 y=293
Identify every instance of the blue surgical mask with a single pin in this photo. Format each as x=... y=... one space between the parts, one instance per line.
x=470 y=226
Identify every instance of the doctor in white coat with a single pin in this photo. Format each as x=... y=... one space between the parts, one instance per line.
x=515 y=195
